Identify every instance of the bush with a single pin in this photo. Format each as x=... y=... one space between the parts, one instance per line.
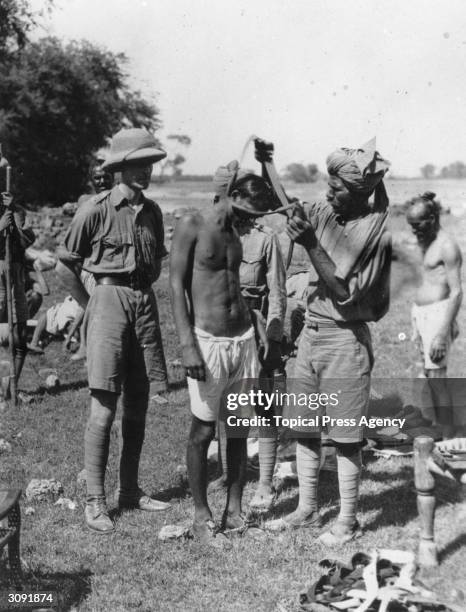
x=59 y=104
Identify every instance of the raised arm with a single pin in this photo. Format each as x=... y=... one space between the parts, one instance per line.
x=181 y=270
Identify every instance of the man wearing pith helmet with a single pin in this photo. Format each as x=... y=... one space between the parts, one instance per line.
x=118 y=236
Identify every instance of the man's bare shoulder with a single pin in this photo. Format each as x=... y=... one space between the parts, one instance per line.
x=190 y=221
x=449 y=246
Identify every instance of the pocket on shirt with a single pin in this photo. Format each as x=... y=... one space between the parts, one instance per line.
x=252 y=271
x=118 y=250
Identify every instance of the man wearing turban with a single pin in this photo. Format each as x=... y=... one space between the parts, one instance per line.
x=350 y=254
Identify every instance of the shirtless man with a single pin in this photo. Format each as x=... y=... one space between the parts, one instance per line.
x=217 y=337
x=439 y=297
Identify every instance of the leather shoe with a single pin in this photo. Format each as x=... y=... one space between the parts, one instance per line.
x=97 y=518
x=141 y=501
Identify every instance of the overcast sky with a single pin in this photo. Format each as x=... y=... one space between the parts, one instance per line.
x=310 y=75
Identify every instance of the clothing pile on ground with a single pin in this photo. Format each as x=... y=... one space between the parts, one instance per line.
x=384 y=580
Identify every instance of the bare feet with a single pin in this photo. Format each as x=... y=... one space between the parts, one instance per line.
x=208 y=533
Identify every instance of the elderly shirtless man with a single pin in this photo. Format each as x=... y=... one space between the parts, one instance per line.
x=439 y=297
x=217 y=337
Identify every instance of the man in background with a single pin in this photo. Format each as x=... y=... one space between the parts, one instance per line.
x=437 y=301
x=13 y=219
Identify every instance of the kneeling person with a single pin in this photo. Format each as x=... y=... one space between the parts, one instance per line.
x=61 y=319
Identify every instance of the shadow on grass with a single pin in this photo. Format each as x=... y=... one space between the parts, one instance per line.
x=390 y=513
x=72 y=588
x=398 y=505
x=179 y=491
x=386 y=406
x=452 y=547
x=74 y=385
x=327 y=495
x=42 y=392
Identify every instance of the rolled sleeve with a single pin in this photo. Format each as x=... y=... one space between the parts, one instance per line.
x=276 y=282
x=79 y=238
x=373 y=279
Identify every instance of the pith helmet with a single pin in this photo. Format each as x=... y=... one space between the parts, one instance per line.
x=134 y=144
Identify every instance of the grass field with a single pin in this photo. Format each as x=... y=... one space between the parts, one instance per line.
x=131 y=569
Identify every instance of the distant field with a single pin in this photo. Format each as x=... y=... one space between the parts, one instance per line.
x=452 y=193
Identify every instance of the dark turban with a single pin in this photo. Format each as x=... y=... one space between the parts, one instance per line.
x=362 y=170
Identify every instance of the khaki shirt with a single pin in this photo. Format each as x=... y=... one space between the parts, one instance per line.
x=262 y=275
x=368 y=286
x=109 y=237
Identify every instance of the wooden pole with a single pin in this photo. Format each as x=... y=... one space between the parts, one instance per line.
x=9 y=299
x=425 y=484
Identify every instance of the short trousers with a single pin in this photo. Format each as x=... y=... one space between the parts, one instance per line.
x=123 y=340
x=61 y=315
x=333 y=360
x=426 y=320
x=20 y=306
x=232 y=366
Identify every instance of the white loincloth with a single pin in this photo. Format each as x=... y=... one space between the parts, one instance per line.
x=427 y=321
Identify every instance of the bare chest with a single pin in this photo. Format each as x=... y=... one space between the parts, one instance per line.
x=432 y=260
x=219 y=250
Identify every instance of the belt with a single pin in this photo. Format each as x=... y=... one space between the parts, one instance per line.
x=330 y=324
x=133 y=281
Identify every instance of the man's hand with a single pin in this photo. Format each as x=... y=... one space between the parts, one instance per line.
x=438 y=348
x=7 y=220
x=299 y=229
x=7 y=199
x=260 y=334
x=263 y=150
x=273 y=356
x=67 y=342
x=193 y=363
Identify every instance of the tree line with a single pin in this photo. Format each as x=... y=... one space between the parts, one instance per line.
x=456 y=170
x=59 y=103
x=302 y=173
